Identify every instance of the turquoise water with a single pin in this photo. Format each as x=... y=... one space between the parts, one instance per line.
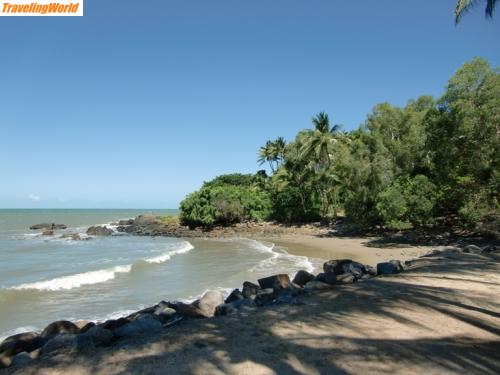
x=46 y=278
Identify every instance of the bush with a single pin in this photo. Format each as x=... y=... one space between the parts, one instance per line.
x=219 y=202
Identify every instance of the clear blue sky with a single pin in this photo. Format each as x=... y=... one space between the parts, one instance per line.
x=135 y=107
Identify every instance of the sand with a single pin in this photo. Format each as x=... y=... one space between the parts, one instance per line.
x=442 y=316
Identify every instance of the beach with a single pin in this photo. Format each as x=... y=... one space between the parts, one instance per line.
x=439 y=317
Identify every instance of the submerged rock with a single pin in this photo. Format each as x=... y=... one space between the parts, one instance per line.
x=99 y=231
x=48 y=226
x=48 y=232
x=72 y=236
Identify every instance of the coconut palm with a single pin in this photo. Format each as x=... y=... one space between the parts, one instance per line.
x=463 y=6
x=280 y=145
x=319 y=139
x=268 y=153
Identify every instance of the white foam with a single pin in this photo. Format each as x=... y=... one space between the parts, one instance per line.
x=186 y=247
x=77 y=280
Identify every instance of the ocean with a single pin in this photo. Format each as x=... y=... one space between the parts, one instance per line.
x=48 y=278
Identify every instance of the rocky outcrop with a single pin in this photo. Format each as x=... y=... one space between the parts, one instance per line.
x=99 y=231
x=48 y=226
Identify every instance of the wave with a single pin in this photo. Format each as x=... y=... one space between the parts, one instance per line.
x=99 y=276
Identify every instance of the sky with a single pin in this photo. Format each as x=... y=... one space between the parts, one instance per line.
x=135 y=104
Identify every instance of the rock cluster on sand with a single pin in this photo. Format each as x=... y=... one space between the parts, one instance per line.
x=83 y=337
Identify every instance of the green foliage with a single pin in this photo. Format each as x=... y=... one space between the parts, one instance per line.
x=225 y=200
x=430 y=161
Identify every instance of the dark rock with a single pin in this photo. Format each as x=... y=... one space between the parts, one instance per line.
x=232 y=307
x=147 y=310
x=48 y=226
x=389 y=268
x=22 y=342
x=320 y=277
x=84 y=326
x=234 y=296
x=114 y=323
x=264 y=297
x=144 y=324
x=317 y=285
x=67 y=342
x=188 y=310
x=303 y=277
x=490 y=249
x=372 y=271
x=100 y=336
x=269 y=282
x=330 y=278
x=99 y=231
x=48 y=232
x=21 y=359
x=342 y=266
x=59 y=327
x=346 y=278
x=249 y=289
x=208 y=302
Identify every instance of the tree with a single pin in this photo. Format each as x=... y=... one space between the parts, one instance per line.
x=463 y=6
x=268 y=153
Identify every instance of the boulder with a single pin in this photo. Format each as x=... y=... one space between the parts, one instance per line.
x=71 y=236
x=232 y=307
x=372 y=271
x=99 y=231
x=5 y=360
x=249 y=289
x=472 y=249
x=342 y=266
x=126 y=222
x=317 y=285
x=330 y=278
x=48 y=232
x=146 y=219
x=114 y=323
x=84 y=326
x=67 y=342
x=490 y=249
x=48 y=226
x=234 y=296
x=303 y=277
x=264 y=297
x=389 y=268
x=165 y=313
x=269 y=282
x=208 y=302
x=188 y=310
x=59 y=327
x=22 y=342
x=100 y=336
x=346 y=278
x=144 y=324
x=21 y=359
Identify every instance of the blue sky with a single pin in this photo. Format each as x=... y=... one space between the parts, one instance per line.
x=134 y=107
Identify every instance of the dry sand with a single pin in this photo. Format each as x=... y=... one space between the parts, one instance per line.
x=442 y=316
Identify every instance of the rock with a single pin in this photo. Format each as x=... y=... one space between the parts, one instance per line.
x=165 y=313
x=188 y=310
x=21 y=359
x=100 y=336
x=48 y=232
x=232 y=307
x=249 y=289
x=67 y=342
x=114 y=323
x=303 y=277
x=22 y=342
x=99 y=231
x=269 y=282
x=472 y=249
x=317 y=285
x=389 y=268
x=346 y=278
x=208 y=302
x=490 y=249
x=372 y=271
x=84 y=326
x=320 y=277
x=144 y=324
x=126 y=222
x=264 y=297
x=72 y=236
x=330 y=278
x=5 y=360
x=48 y=226
x=234 y=296
x=342 y=266
x=59 y=327
x=146 y=219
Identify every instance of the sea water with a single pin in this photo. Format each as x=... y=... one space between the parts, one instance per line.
x=48 y=278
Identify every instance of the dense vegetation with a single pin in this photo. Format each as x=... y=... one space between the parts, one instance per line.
x=431 y=162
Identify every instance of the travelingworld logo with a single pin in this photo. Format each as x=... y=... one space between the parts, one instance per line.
x=41 y=8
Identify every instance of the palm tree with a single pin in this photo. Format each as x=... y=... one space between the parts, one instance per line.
x=320 y=138
x=280 y=145
x=463 y=6
x=268 y=153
